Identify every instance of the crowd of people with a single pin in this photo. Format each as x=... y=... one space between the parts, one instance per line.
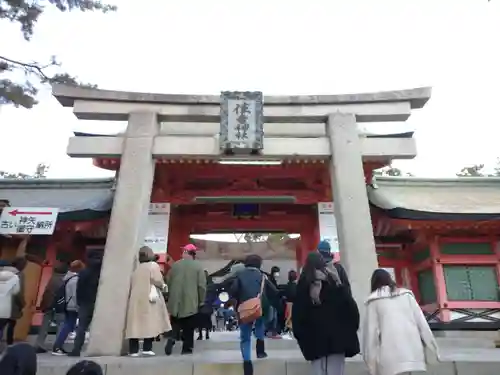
x=316 y=307
x=69 y=298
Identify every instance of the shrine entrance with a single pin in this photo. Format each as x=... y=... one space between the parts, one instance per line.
x=212 y=197
x=186 y=220
x=178 y=149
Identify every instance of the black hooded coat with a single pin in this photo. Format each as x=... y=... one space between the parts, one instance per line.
x=88 y=280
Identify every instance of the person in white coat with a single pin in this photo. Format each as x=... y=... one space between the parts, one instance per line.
x=10 y=286
x=147 y=315
x=395 y=330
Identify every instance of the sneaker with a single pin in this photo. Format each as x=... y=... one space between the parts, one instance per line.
x=58 y=352
x=149 y=353
x=133 y=355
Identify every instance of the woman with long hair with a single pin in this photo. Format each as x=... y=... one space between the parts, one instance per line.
x=147 y=315
x=395 y=330
x=325 y=318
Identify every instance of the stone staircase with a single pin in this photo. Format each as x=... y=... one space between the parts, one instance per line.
x=220 y=356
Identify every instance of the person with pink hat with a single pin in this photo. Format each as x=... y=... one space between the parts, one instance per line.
x=187 y=287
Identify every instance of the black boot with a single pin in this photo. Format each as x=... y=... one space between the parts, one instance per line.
x=260 y=349
x=247 y=368
x=169 y=346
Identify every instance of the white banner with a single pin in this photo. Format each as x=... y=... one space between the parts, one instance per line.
x=328 y=225
x=28 y=220
x=157 y=227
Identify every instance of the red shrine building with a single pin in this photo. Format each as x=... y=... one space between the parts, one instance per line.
x=439 y=237
x=245 y=163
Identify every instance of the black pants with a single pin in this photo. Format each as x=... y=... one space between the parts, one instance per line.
x=85 y=315
x=184 y=327
x=133 y=345
x=11 y=326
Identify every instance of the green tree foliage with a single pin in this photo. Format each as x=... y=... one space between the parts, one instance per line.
x=26 y=13
x=261 y=237
x=40 y=172
x=391 y=171
x=475 y=170
x=496 y=169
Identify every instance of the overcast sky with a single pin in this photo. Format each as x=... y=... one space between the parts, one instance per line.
x=278 y=47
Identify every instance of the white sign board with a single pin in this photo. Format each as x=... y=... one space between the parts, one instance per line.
x=328 y=225
x=28 y=220
x=157 y=227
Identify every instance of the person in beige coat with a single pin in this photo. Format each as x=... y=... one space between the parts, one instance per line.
x=147 y=315
x=396 y=333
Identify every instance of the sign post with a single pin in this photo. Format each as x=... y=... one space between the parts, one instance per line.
x=328 y=225
x=241 y=122
x=157 y=227
x=39 y=221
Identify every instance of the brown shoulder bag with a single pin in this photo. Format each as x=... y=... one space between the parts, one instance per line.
x=251 y=310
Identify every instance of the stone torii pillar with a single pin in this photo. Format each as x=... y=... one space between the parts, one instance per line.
x=350 y=199
x=125 y=235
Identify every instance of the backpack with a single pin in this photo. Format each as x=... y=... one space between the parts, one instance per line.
x=60 y=303
x=251 y=310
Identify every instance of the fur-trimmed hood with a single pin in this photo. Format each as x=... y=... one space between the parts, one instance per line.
x=385 y=292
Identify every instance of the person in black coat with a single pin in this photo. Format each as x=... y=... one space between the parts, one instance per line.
x=206 y=310
x=18 y=359
x=325 y=321
x=86 y=295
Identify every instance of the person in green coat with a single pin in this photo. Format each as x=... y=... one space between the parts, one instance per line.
x=187 y=286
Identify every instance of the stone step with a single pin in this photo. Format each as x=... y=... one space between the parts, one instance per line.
x=291 y=344
x=229 y=341
x=280 y=362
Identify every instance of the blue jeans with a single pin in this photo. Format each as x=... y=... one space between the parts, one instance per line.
x=272 y=321
x=67 y=327
x=246 y=337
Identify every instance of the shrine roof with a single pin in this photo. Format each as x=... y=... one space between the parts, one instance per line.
x=76 y=198
x=66 y=95
x=408 y=134
x=412 y=198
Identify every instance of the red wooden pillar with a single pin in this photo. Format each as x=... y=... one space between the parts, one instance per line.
x=46 y=274
x=178 y=234
x=298 y=253
x=496 y=248
x=412 y=270
x=398 y=273
x=309 y=238
x=439 y=280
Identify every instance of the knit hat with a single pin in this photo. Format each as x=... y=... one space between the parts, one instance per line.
x=189 y=247
x=85 y=368
x=325 y=250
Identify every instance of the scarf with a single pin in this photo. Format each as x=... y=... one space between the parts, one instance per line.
x=329 y=273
